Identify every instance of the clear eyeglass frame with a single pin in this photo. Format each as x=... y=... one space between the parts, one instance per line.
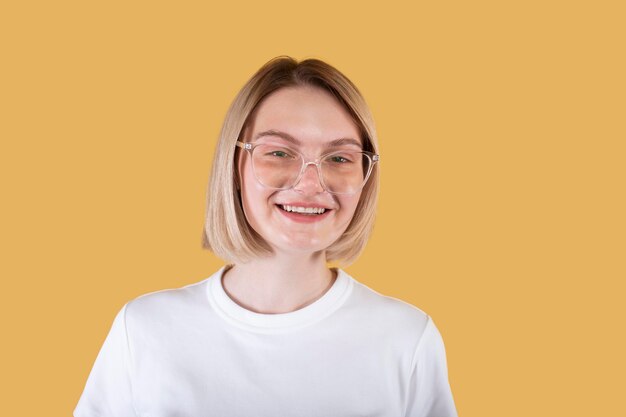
x=374 y=158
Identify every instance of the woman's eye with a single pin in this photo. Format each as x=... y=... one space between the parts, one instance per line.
x=279 y=154
x=339 y=159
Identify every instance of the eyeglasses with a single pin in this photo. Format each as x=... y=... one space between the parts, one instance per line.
x=340 y=172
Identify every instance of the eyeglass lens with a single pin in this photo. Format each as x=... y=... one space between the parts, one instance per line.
x=280 y=167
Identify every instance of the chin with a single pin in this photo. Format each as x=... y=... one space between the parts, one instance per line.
x=302 y=246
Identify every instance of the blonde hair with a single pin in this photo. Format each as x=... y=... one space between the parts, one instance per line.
x=226 y=230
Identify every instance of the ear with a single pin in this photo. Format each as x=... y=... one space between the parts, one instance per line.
x=240 y=157
x=238 y=167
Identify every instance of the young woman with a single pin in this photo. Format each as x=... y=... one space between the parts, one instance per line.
x=276 y=332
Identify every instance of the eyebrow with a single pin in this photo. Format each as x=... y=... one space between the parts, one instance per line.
x=332 y=144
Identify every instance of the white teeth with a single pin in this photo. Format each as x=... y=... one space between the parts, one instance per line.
x=305 y=210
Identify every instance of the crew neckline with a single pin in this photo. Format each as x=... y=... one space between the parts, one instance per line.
x=239 y=316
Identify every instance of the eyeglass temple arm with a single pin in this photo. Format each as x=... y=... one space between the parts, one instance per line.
x=243 y=145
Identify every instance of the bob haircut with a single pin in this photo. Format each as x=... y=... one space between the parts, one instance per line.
x=227 y=233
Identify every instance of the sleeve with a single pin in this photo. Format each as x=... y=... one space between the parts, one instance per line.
x=108 y=390
x=429 y=390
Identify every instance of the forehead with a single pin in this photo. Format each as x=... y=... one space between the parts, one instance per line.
x=309 y=114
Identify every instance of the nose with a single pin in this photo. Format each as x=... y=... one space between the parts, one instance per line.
x=310 y=181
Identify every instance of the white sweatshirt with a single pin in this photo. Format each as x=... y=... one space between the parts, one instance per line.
x=194 y=352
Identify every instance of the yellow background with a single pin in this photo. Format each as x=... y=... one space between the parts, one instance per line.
x=502 y=129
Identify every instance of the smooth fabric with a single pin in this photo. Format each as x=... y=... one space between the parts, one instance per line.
x=193 y=351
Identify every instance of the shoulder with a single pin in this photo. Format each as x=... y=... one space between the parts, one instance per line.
x=387 y=306
x=395 y=315
x=167 y=304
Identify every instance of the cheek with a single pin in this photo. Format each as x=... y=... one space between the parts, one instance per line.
x=254 y=197
x=349 y=205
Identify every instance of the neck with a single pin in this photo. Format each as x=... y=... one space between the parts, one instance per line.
x=279 y=284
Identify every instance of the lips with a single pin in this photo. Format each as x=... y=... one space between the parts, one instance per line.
x=304 y=212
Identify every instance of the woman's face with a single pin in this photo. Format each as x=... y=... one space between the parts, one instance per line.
x=306 y=119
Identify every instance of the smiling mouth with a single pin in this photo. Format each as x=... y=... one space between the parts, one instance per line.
x=311 y=211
